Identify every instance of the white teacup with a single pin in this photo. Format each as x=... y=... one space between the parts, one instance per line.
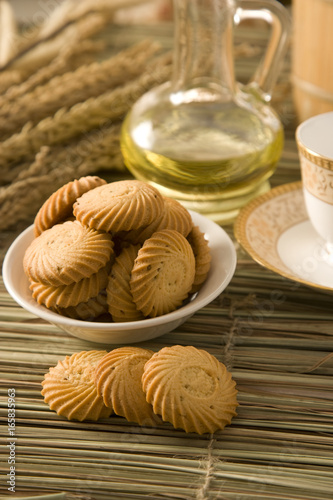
x=314 y=139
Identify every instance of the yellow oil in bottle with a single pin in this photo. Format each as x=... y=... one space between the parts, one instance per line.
x=212 y=157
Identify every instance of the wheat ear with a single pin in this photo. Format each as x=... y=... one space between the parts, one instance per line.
x=73 y=87
x=67 y=60
x=82 y=117
x=8 y=32
x=53 y=167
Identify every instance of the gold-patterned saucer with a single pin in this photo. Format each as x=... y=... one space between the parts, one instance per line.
x=275 y=230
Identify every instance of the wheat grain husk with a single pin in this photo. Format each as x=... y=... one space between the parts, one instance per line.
x=66 y=124
x=72 y=87
x=54 y=167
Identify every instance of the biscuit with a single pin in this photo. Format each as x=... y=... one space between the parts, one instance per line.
x=67 y=253
x=139 y=236
x=69 y=389
x=119 y=206
x=87 y=311
x=119 y=297
x=202 y=256
x=163 y=273
x=118 y=381
x=190 y=389
x=59 y=206
x=70 y=295
x=175 y=216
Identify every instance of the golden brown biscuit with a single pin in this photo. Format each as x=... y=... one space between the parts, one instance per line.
x=67 y=253
x=69 y=387
x=190 y=389
x=175 y=216
x=119 y=206
x=118 y=381
x=202 y=256
x=70 y=295
x=87 y=311
x=59 y=206
x=163 y=273
x=119 y=296
x=138 y=236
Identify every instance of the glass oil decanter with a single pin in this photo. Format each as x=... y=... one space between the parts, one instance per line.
x=203 y=138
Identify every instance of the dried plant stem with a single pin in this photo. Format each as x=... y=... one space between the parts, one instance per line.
x=53 y=167
x=82 y=117
x=68 y=59
x=9 y=78
x=68 y=16
x=73 y=87
x=72 y=10
x=32 y=58
x=49 y=45
x=8 y=31
x=8 y=175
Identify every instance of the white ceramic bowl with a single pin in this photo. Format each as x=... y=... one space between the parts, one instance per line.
x=223 y=266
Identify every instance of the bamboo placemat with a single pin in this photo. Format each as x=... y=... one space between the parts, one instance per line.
x=274 y=335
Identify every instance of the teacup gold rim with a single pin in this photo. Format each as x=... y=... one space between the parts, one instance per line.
x=316 y=158
x=240 y=226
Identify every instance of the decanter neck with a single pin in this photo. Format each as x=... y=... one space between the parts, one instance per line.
x=203 y=46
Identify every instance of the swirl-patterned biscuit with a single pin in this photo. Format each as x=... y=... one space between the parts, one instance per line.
x=163 y=273
x=87 y=311
x=119 y=296
x=119 y=206
x=67 y=253
x=70 y=295
x=140 y=235
x=202 y=256
x=175 y=216
x=69 y=389
x=118 y=381
x=190 y=389
x=59 y=206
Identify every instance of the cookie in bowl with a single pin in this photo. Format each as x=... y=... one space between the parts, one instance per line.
x=60 y=275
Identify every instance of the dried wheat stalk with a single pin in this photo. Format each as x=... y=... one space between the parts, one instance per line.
x=73 y=87
x=8 y=31
x=7 y=176
x=43 y=52
x=77 y=20
x=54 y=31
x=9 y=78
x=53 y=167
x=100 y=148
x=82 y=117
x=72 y=10
x=68 y=59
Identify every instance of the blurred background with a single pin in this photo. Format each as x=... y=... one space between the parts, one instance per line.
x=27 y=10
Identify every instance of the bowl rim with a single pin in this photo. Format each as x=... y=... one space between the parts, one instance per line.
x=196 y=302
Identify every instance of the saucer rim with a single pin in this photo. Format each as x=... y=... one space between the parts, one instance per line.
x=241 y=225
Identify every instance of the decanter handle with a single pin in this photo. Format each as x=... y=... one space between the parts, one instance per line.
x=278 y=17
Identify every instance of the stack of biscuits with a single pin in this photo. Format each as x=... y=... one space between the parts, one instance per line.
x=181 y=385
x=116 y=250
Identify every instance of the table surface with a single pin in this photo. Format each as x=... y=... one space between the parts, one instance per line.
x=279 y=351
